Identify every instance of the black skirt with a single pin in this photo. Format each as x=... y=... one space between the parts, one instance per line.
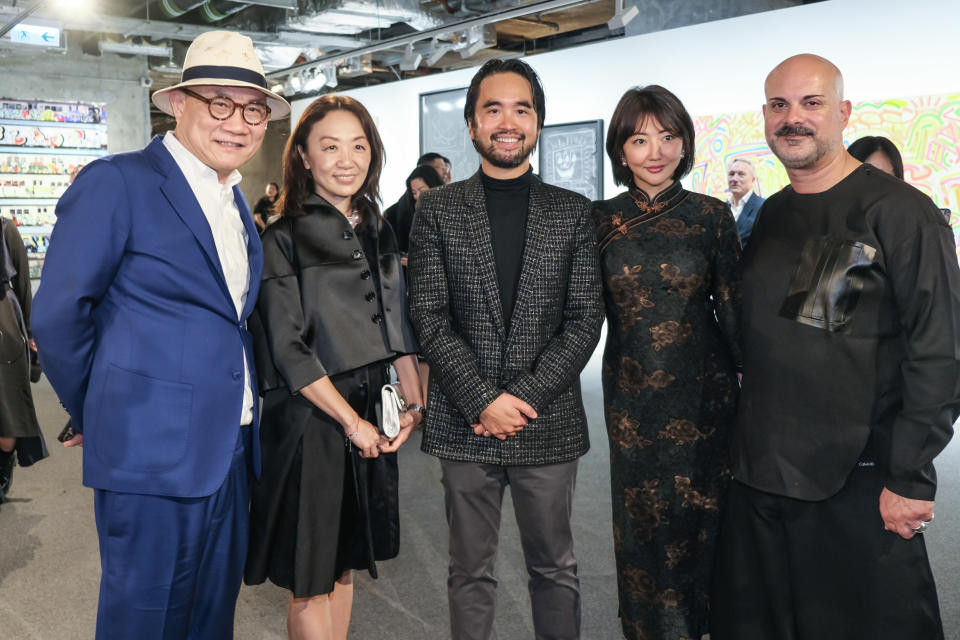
x=319 y=509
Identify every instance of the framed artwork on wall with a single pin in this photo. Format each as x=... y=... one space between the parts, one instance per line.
x=571 y=156
x=443 y=130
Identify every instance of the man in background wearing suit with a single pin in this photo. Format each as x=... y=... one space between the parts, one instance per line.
x=745 y=204
x=505 y=297
x=140 y=320
x=851 y=385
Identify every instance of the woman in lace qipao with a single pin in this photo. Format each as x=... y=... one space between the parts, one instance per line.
x=670 y=261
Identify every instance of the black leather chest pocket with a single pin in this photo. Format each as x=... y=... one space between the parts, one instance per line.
x=827 y=282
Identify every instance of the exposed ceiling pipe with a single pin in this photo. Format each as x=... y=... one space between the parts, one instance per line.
x=172 y=10
x=213 y=13
x=544 y=6
x=20 y=17
x=209 y=11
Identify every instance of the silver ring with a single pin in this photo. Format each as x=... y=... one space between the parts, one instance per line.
x=924 y=525
x=486 y=433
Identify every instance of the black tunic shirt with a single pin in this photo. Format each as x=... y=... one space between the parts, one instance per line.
x=507 y=205
x=851 y=330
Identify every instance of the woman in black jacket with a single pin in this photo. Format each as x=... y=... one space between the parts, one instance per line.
x=331 y=318
x=400 y=214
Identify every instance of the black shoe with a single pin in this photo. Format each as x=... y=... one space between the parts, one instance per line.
x=7 y=462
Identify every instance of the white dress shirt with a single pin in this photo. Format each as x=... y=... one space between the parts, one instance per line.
x=229 y=235
x=738 y=207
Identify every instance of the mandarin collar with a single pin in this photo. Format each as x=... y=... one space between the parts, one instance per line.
x=663 y=200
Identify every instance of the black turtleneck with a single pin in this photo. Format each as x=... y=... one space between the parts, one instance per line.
x=507 y=204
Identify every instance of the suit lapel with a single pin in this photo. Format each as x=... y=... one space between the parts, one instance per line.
x=534 y=246
x=480 y=237
x=178 y=193
x=254 y=251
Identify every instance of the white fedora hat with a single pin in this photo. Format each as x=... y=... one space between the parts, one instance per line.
x=223 y=59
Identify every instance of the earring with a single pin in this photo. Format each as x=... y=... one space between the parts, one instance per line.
x=623 y=162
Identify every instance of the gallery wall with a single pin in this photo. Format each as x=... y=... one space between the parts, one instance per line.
x=887 y=50
x=32 y=73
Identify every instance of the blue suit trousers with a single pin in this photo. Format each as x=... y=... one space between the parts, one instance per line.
x=171 y=567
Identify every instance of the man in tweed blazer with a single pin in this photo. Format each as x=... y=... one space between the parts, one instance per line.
x=505 y=298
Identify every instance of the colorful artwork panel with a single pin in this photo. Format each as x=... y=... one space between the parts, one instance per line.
x=51 y=111
x=28 y=135
x=926 y=129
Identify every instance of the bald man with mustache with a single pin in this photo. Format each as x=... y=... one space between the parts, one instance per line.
x=851 y=312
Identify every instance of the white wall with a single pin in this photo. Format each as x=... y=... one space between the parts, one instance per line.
x=885 y=48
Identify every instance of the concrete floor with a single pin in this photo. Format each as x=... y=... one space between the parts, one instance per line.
x=49 y=566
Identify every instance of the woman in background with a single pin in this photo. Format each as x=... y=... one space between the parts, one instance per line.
x=400 y=214
x=670 y=262
x=20 y=436
x=264 y=208
x=331 y=318
x=400 y=217
x=880 y=152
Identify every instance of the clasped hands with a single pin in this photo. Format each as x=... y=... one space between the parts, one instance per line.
x=903 y=515
x=372 y=443
x=504 y=417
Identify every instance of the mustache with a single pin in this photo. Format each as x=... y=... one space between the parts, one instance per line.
x=787 y=130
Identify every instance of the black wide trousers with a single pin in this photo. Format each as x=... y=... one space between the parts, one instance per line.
x=789 y=569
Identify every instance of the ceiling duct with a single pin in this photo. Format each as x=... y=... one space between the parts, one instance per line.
x=359 y=16
x=171 y=9
x=216 y=11
x=129 y=47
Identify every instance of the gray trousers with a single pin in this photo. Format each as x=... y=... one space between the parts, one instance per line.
x=542 y=503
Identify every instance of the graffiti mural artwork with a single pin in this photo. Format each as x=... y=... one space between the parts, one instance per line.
x=926 y=129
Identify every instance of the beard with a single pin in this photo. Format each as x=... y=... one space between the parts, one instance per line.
x=798 y=156
x=504 y=160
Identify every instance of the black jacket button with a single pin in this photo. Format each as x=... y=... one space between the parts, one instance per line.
x=364 y=274
x=370 y=296
x=347 y=235
x=356 y=254
x=376 y=317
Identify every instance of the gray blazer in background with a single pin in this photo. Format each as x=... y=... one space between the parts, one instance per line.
x=455 y=308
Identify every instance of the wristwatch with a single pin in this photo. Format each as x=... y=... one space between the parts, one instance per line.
x=421 y=410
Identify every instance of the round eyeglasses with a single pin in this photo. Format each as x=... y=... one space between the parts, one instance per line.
x=222 y=108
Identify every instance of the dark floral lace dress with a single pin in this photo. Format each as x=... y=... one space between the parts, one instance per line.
x=671 y=272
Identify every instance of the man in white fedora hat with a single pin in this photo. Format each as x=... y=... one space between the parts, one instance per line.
x=153 y=268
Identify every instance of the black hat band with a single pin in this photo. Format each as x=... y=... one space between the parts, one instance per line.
x=212 y=72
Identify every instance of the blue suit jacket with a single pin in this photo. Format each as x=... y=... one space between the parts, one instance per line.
x=748 y=217
x=137 y=331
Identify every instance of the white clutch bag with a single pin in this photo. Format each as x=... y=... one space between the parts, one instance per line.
x=393 y=406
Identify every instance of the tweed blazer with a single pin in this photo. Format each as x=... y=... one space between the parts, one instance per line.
x=455 y=308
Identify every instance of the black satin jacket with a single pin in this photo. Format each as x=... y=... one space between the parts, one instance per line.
x=331 y=300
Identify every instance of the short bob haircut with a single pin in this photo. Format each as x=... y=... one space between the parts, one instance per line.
x=636 y=105
x=297 y=180
x=519 y=67
x=868 y=145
